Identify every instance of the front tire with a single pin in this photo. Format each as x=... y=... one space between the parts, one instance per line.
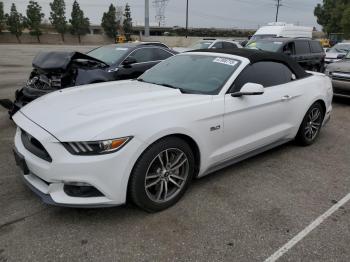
x=310 y=128
x=162 y=174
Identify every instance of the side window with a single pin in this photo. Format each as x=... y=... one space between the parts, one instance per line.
x=143 y=55
x=289 y=49
x=227 y=45
x=302 y=47
x=316 y=47
x=160 y=54
x=217 y=45
x=264 y=73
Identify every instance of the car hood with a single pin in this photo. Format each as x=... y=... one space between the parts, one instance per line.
x=48 y=61
x=333 y=55
x=341 y=66
x=81 y=114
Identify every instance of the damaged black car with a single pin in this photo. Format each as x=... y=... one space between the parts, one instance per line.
x=57 y=70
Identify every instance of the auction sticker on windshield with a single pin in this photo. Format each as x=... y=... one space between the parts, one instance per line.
x=225 y=61
x=121 y=48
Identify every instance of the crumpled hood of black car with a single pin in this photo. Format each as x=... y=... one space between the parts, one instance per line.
x=58 y=60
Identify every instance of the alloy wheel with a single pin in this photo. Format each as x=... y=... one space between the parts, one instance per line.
x=166 y=175
x=313 y=124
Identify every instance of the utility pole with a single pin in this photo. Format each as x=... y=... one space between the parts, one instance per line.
x=146 y=18
x=186 y=18
x=279 y=4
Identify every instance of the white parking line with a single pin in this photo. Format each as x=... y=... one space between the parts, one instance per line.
x=280 y=252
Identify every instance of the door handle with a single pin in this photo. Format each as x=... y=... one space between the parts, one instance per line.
x=286 y=98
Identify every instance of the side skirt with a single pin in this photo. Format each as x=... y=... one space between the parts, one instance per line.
x=240 y=158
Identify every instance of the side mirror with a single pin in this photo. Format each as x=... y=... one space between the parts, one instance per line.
x=249 y=89
x=129 y=61
x=288 y=53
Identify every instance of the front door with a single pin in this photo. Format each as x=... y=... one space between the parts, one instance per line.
x=255 y=121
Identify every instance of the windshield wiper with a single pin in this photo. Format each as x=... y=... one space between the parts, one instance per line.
x=184 y=91
x=167 y=85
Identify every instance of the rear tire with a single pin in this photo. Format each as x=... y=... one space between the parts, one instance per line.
x=162 y=174
x=310 y=128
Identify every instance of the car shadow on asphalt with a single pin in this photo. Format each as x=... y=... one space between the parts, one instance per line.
x=341 y=100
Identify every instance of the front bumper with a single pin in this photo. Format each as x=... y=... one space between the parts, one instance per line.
x=331 y=60
x=109 y=174
x=341 y=88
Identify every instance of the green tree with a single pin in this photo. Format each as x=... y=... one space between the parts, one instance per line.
x=127 y=23
x=15 y=22
x=79 y=23
x=2 y=17
x=34 y=17
x=330 y=13
x=109 y=22
x=345 y=22
x=58 y=17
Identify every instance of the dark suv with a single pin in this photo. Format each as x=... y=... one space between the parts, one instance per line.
x=307 y=52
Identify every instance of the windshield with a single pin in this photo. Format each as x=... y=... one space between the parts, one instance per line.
x=340 y=48
x=110 y=54
x=198 y=74
x=201 y=45
x=257 y=37
x=272 y=46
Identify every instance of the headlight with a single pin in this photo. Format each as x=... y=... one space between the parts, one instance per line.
x=96 y=147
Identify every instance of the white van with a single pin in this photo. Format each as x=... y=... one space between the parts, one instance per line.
x=281 y=29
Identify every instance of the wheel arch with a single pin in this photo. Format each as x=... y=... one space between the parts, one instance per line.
x=193 y=145
x=307 y=107
x=188 y=139
x=323 y=104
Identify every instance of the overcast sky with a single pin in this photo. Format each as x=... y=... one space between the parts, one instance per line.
x=203 y=13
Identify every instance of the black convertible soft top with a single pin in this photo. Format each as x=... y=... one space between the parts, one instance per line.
x=255 y=56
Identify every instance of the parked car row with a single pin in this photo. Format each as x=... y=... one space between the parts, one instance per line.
x=145 y=139
x=57 y=70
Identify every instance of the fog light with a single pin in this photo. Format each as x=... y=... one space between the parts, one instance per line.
x=81 y=190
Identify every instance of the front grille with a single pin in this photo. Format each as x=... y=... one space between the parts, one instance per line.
x=45 y=82
x=341 y=76
x=34 y=146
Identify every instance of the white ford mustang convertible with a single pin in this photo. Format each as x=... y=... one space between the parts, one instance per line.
x=146 y=139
